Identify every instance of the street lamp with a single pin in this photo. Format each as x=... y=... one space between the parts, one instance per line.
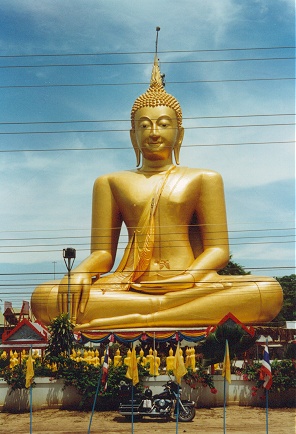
x=70 y=255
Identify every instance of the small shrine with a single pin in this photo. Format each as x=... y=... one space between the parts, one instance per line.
x=20 y=332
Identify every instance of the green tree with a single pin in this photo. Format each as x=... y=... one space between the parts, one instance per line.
x=288 y=283
x=233 y=268
x=61 y=339
x=213 y=347
x=288 y=311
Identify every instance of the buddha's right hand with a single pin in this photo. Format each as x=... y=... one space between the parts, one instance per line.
x=74 y=296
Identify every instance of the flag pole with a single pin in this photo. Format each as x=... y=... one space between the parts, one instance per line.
x=266 y=398
x=179 y=371
x=31 y=402
x=132 y=374
x=132 y=407
x=224 y=405
x=226 y=372
x=178 y=409
x=266 y=376
x=29 y=381
x=266 y=401
x=95 y=400
x=133 y=360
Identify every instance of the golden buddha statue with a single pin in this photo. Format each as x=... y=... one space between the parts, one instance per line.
x=149 y=357
x=188 y=355
x=127 y=359
x=191 y=360
x=117 y=360
x=154 y=364
x=96 y=359
x=141 y=359
x=170 y=361
x=176 y=222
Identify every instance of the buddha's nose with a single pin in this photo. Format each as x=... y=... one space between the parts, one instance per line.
x=154 y=137
x=154 y=134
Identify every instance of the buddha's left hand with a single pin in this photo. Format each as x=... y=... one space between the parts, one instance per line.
x=183 y=281
x=176 y=283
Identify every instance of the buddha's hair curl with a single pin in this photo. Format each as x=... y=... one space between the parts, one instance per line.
x=156 y=96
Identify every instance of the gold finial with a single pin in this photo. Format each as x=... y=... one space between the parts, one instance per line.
x=156 y=77
x=156 y=95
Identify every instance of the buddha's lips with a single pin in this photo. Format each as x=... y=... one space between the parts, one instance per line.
x=154 y=144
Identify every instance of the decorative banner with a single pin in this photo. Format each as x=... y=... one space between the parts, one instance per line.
x=129 y=337
x=193 y=335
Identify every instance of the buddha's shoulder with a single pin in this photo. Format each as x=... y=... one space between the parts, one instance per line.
x=131 y=175
x=198 y=172
x=115 y=176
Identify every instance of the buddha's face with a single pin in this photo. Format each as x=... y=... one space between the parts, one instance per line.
x=156 y=132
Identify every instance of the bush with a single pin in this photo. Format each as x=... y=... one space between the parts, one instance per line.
x=16 y=376
x=283 y=375
x=200 y=376
x=85 y=377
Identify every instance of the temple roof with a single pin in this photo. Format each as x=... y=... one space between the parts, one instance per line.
x=25 y=334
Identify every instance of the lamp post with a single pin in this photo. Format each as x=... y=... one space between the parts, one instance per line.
x=69 y=255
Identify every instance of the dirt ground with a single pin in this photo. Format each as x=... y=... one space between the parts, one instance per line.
x=239 y=420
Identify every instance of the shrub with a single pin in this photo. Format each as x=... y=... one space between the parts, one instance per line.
x=200 y=376
x=283 y=374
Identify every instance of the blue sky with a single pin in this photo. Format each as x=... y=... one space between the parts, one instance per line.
x=71 y=69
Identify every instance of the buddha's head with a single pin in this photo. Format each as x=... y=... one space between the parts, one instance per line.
x=154 y=98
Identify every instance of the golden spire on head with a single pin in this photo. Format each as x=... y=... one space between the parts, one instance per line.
x=156 y=96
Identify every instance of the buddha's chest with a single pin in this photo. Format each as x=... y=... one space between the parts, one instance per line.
x=170 y=197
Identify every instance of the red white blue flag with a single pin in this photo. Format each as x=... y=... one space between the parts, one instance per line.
x=265 y=371
x=105 y=368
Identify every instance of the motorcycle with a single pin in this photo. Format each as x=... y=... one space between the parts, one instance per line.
x=165 y=404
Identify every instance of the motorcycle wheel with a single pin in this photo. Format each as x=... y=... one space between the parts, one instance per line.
x=187 y=414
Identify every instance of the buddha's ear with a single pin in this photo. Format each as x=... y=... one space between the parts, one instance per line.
x=178 y=144
x=135 y=146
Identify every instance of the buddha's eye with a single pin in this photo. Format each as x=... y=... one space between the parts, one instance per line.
x=164 y=123
x=144 y=125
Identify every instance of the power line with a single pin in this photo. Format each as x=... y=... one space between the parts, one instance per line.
x=84 y=229
x=128 y=120
x=116 y=53
x=41 y=273
x=65 y=237
x=170 y=62
x=32 y=86
x=167 y=227
x=128 y=147
x=49 y=273
x=233 y=241
x=124 y=130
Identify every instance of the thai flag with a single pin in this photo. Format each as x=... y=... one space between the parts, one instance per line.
x=265 y=371
x=105 y=368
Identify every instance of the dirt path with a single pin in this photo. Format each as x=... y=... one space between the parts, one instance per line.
x=239 y=420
